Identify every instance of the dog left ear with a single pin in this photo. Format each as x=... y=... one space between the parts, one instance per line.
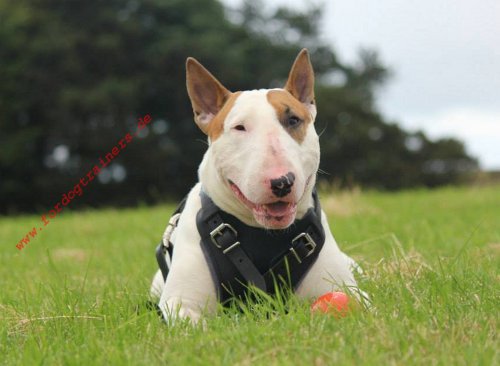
x=300 y=81
x=207 y=94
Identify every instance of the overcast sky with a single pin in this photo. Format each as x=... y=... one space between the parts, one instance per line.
x=445 y=58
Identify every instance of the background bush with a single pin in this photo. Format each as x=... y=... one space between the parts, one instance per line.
x=75 y=77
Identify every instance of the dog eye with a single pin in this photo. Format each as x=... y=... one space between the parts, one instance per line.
x=240 y=128
x=294 y=121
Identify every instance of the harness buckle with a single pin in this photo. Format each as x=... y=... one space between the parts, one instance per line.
x=309 y=244
x=219 y=231
x=172 y=224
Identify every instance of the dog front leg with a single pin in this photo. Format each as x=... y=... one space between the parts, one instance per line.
x=188 y=293
x=189 y=290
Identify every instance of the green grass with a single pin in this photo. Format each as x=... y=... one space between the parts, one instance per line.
x=75 y=294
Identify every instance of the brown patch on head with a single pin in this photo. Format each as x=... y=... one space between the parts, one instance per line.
x=216 y=126
x=287 y=109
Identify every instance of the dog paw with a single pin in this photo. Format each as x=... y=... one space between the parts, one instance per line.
x=177 y=310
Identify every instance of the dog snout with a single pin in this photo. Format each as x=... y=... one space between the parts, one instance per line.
x=282 y=186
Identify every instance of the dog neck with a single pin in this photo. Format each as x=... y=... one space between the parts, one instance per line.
x=217 y=188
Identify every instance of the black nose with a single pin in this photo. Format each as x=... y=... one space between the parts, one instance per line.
x=283 y=185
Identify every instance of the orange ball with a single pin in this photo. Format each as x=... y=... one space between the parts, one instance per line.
x=334 y=303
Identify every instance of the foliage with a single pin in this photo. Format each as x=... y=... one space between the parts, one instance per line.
x=75 y=76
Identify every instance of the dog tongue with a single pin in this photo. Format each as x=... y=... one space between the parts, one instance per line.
x=277 y=208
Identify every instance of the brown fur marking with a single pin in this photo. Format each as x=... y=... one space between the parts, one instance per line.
x=286 y=105
x=216 y=125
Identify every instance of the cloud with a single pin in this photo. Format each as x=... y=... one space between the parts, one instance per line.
x=478 y=128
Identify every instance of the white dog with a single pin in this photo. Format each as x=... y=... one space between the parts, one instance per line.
x=259 y=171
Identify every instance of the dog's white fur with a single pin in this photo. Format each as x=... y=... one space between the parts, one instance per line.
x=248 y=159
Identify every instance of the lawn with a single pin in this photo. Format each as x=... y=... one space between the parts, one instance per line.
x=75 y=294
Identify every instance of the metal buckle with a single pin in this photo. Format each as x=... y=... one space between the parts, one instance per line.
x=309 y=244
x=218 y=231
x=172 y=224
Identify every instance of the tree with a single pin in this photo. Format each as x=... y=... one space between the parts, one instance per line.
x=75 y=77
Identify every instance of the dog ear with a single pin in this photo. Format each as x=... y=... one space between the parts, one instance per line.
x=207 y=94
x=300 y=81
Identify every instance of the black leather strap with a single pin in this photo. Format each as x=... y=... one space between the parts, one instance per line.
x=302 y=254
x=160 y=253
x=225 y=238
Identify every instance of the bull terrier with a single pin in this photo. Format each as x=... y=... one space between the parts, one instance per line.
x=260 y=168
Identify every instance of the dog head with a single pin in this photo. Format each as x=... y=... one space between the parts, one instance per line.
x=263 y=149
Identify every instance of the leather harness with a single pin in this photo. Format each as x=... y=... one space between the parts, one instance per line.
x=239 y=255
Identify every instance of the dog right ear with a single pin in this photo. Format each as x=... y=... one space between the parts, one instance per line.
x=207 y=94
x=300 y=81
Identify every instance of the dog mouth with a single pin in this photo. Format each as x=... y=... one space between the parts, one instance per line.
x=277 y=214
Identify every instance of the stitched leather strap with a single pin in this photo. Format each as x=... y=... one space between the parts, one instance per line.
x=225 y=238
x=303 y=252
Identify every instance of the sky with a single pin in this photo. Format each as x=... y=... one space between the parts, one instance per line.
x=444 y=56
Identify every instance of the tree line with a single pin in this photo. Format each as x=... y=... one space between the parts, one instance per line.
x=75 y=76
